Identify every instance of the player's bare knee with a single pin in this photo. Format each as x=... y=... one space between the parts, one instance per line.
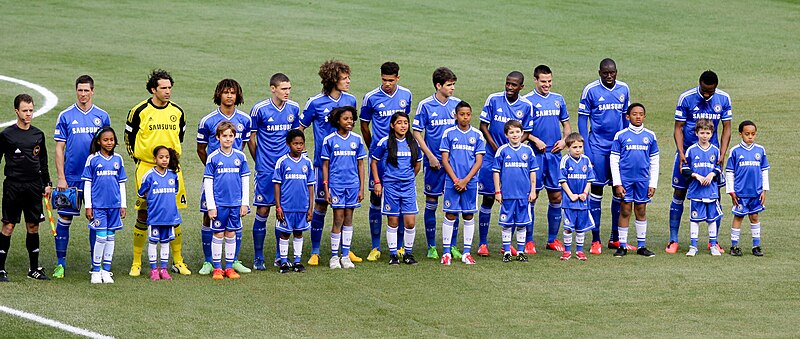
x=679 y=194
x=409 y=221
x=467 y=216
x=321 y=207
x=8 y=229
x=32 y=228
x=597 y=190
x=753 y=218
x=262 y=211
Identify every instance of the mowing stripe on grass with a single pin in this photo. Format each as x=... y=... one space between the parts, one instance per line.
x=52 y=323
x=50 y=99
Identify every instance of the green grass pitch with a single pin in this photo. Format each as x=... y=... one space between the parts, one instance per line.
x=660 y=49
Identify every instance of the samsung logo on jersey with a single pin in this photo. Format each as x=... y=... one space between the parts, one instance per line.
x=548 y=113
x=163 y=190
x=515 y=164
x=344 y=153
x=464 y=147
x=576 y=176
x=703 y=165
x=156 y=127
x=636 y=147
x=84 y=130
x=403 y=154
x=228 y=170
x=106 y=172
x=501 y=119
x=605 y=107
x=279 y=127
x=749 y=163
x=389 y=113
x=293 y=176
x=709 y=116
x=443 y=122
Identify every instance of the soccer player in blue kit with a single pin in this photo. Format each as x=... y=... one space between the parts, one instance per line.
x=75 y=128
x=435 y=114
x=227 y=95
x=462 y=150
x=603 y=104
x=500 y=108
x=272 y=119
x=634 y=171
x=335 y=79
x=547 y=140
x=702 y=102
x=377 y=109
x=747 y=183
x=226 y=184
x=704 y=170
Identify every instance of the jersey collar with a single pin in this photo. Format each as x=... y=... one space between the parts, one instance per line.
x=697 y=89
x=280 y=109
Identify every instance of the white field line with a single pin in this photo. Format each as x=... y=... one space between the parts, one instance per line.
x=52 y=323
x=50 y=99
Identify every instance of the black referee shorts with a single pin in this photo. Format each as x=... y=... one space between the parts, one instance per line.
x=22 y=197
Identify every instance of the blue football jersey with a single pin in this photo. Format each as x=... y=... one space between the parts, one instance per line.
x=692 y=107
x=497 y=111
x=160 y=190
x=227 y=171
x=76 y=128
x=515 y=166
x=576 y=173
x=432 y=118
x=463 y=147
x=403 y=171
x=105 y=173
x=294 y=175
x=746 y=163
x=270 y=125
x=606 y=110
x=635 y=150
x=343 y=154
x=378 y=108
x=207 y=129
x=316 y=111
x=548 y=113
x=702 y=161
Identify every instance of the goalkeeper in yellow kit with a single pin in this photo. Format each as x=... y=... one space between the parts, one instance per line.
x=154 y=122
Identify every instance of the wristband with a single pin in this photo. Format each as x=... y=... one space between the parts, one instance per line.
x=376 y=182
x=278 y=208
x=325 y=182
x=498 y=192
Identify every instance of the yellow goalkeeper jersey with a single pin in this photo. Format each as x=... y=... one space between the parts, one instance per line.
x=149 y=126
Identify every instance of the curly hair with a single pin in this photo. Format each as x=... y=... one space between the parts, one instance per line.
x=155 y=76
x=226 y=84
x=329 y=73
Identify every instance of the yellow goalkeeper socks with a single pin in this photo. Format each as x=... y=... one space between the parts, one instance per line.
x=175 y=245
x=139 y=238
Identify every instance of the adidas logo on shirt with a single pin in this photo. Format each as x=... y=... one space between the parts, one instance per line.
x=741 y=156
x=381 y=106
x=336 y=146
x=327 y=110
x=434 y=114
x=629 y=140
x=220 y=163
x=695 y=108
x=508 y=157
x=271 y=119
x=538 y=105
x=17 y=151
x=500 y=110
x=601 y=99
x=99 y=165
x=74 y=122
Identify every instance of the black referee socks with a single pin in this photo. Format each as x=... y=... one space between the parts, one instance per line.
x=32 y=244
x=5 y=243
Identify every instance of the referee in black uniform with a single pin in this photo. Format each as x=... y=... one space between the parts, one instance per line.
x=27 y=181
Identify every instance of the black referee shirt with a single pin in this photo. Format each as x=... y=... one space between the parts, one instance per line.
x=25 y=154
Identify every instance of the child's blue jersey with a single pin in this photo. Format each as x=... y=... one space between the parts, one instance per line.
x=747 y=163
x=635 y=150
x=403 y=171
x=432 y=118
x=76 y=128
x=702 y=161
x=316 y=111
x=343 y=154
x=576 y=173
x=548 y=113
x=227 y=171
x=105 y=174
x=294 y=175
x=515 y=166
x=497 y=111
x=463 y=146
x=160 y=190
x=606 y=110
x=692 y=107
x=270 y=125
x=378 y=108
x=207 y=129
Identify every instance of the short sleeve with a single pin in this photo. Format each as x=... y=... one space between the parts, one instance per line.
x=497 y=165
x=244 y=170
x=277 y=175
x=444 y=145
x=361 y=153
x=420 y=119
x=62 y=130
x=203 y=132
x=379 y=150
x=326 y=150
x=366 y=110
x=480 y=144
x=564 y=114
x=308 y=114
x=487 y=112
x=210 y=167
